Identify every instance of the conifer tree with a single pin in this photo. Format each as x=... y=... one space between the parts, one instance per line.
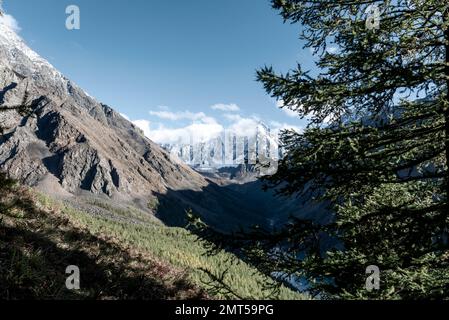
x=376 y=148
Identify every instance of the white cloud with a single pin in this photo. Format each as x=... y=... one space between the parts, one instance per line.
x=167 y=115
x=226 y=107
x=196 y=132
x=244 y=126
x=10 y=22
x=144 y=125
x=202 y=127
x=278 y=126
x=232 y=117
x=286 y=110
x=290 y=113
x=200 y=131
x=184 y=115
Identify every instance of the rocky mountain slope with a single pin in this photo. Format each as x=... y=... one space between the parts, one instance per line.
x=72 y=143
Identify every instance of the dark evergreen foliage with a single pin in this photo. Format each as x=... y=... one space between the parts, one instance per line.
x=377 y=147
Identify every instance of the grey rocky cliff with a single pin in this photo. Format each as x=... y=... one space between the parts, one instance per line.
x=71 y=142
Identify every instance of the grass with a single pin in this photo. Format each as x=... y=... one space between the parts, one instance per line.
x=180 y=248
x=38 y=242
x=153 y=204
x=118 y=258
x=129 y=212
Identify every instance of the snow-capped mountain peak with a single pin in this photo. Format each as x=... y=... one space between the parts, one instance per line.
x=18 y=49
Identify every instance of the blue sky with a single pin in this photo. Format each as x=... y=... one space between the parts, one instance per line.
x=166 y=63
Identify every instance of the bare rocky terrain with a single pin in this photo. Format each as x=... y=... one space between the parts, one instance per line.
x=71 y=144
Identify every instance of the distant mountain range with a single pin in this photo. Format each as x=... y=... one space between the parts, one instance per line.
x=231 y=149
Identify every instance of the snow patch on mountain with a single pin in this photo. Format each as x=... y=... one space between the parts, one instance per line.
x=9 y=38
x=17 y=56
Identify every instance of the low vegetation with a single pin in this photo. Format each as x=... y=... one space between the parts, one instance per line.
x=118 y=258
x=180 y=248
x=38 y=241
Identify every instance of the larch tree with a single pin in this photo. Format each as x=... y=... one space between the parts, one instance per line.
x=376 y=148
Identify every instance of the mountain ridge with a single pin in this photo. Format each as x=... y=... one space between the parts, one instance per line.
x=84 y=144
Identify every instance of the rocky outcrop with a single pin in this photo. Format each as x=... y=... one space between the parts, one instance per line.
x=71 y=139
